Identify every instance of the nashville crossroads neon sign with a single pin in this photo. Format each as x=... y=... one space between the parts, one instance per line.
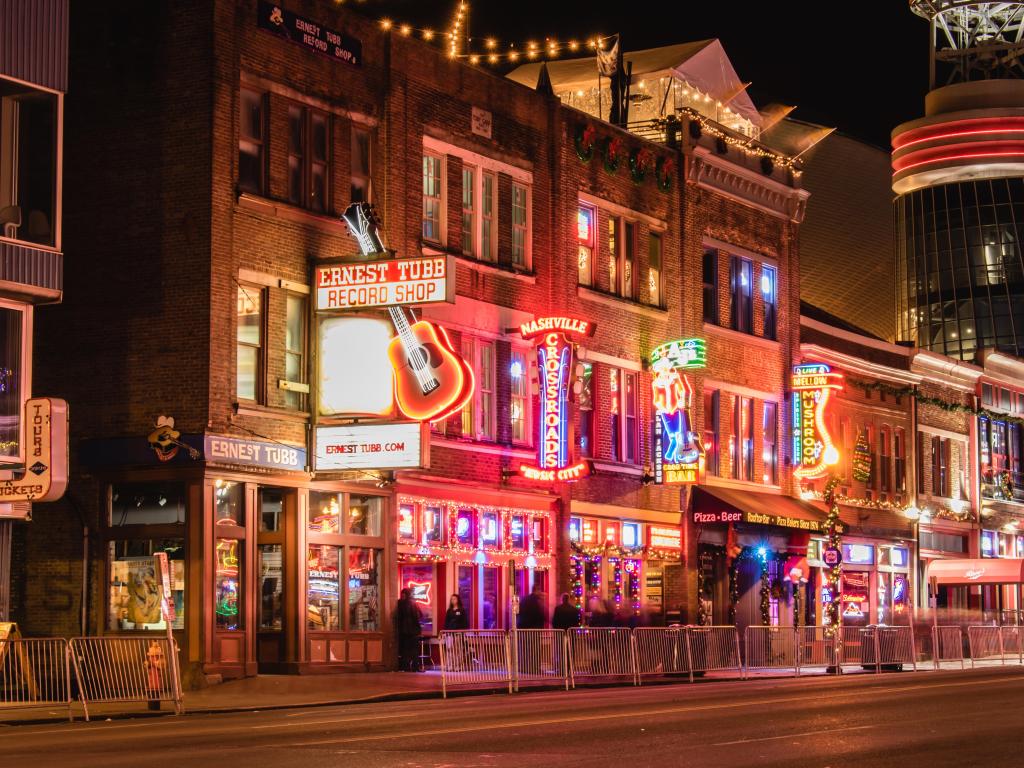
x=813 y=451
x=555 y=364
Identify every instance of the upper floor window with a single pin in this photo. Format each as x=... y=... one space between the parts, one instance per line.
x=295 y=349
x=770 y=453
x=940 y=466
x=741 y=305
x=15 y=328
x=899 y=443
x=308 y=140
x=360 y=184
x=712 y=399
x=250 y=343
x=252 y=142
x=586 y=219
x=478 y=415
x=479 y=227
x=519 y=396
x=621 y=257
x=585 y=407
x=769 y=297
x=520 y=225
x=623 y=411
x=654 y=270
x=743 y=438
x=28 y=163
x=884 y=459
x=710 y=285
x=432 y=198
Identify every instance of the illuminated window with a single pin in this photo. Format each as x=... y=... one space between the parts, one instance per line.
x=519 y=396
x=743 y=438
x=623 y=411
x=295 y=349
x=478 y=415
x=251 y=138
x=884 y=458
x=520 y=226
x=432 y=198
x=769 y=298
x=614 y=252
x=711 y=431
x=585 y=407
x=249 y=347
x=479 y=228
x=900 y=460
x=621 y=257
x=741 y=306
x=770 y=451
x=615 y=413
x=227 y=584
x=308 y=139
x=361 y=181
x=586 y=220
x=654 y=276
x=468 y=211
x=14 y=328
x=133 y=578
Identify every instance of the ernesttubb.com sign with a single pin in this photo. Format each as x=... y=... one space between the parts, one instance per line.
x=371 y=446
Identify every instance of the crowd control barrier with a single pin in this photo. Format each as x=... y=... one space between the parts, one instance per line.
x=35 y=672
x=600 y=652
x=475 y=657
x=126 y=669
x=771 y=648
x=661 y=651
x=714 y=649
x=947 y=645
x=539 y=655
x=989 y=643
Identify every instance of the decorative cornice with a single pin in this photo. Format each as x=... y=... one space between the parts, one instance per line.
x=726 y=178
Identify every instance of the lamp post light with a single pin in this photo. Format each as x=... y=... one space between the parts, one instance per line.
x=913 y=514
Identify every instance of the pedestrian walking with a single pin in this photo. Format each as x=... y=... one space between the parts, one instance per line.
x=408 y=628
x=532 y=614
x=566 y=614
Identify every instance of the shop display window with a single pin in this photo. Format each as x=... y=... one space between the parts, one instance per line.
x=271 y=606
x=420 y=580
x=325 y=512
x=465 y=590
x=490 y=532
x=134 y=584
x=364 y=515
x=228 y=503
x=575 y=529
x=517 y=532
x=407 y=523
x=858 y=554
x=465 y=527
x=432 y=525
x=271 y=509
x=896 y=557
x=364 y=589
x=490 y=602
x=538 y=534
x=147 y=504
x=855 y=598
x=323 y=594
x=227 y=585
x=631 y=535
x=988 y=543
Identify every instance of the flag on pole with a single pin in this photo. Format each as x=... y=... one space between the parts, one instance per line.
x=608 y=61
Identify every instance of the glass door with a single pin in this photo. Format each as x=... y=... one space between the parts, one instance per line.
x=271 y=621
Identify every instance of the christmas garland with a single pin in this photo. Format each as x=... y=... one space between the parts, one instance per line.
x=830 y=610
x=751 y=553
x=938 y=402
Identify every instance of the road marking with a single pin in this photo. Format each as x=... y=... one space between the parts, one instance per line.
x=793 y=735
x=645 y=713
x=305 y=723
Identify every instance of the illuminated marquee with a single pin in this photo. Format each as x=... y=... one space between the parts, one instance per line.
x=813 y=451
x=678 y=453
x=395 y=282
x=555 y=366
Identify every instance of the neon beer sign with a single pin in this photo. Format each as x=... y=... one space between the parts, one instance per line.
x=813 y=451
x=555 y=353
x=678 y=453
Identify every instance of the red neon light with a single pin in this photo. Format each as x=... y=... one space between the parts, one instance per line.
x=443 y=363
x=420 y=591
x=899 y=168
x=567 y=325
x=956 y=135
x=564 y=475
x=980 y=126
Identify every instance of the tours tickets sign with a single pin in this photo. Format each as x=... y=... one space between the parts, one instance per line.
x=813 y=451
x=555 y=352
x=678 y=452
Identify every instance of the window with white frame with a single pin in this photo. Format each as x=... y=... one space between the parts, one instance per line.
x=519 y=396
x=478 y=415
x=743 y=438
x=469 y=211
x=295 y=349
x=520 y=225
x=479 y=225
x=250 y=343
x=623 y=408
x=586 y=220
x=621 y=257
x=433 y=203
x=654 y=268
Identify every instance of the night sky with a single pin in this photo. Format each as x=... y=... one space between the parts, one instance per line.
x=863 y=75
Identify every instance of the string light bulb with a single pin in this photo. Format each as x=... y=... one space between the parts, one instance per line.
x=385 y=24
x=405 y=29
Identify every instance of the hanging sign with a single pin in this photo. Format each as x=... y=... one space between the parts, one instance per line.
x=360 y=284
x=372 y=446
x=683 y=353
x=307 y=33
x=678 y=453
x=555 y=353
x=664 y=537
x=46 y=453
x=813 y=451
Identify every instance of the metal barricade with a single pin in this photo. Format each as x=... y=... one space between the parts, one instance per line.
x=857 y=646
x=1011 y=638
x=714 y=649
x=475 y=657
x=895 y=645
x=947 y=645
x=816 y=649
x=126 y=669
x=35 y=672
x=539 y=655
x=601 y=652
x=770 y=648
x=986 y=643
x=661 y=651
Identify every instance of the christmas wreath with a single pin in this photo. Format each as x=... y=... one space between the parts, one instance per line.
x=612 y=149
x=584 y=141
x=640 y=164
x=663 y=172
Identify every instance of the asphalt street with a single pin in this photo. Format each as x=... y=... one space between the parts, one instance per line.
x=932 y=719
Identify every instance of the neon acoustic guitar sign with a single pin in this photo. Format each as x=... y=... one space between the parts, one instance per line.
x=678 y=453
x=555 y=366
x=813 y=451
x=432 y=381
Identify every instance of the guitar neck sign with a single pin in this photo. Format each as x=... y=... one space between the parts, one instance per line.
x=394 y=282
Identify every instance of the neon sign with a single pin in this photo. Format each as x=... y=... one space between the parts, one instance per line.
x=813 y=450
x=684 y=353
x=420 y=591
x=664 y=537
x=555 y=364
x=678 y=453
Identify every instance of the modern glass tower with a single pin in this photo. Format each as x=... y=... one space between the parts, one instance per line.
x=958 y=175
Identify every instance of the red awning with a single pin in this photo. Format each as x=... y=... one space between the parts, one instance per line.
x=982 y=571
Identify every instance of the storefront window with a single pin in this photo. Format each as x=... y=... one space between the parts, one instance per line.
x=227 y=585
x=465 y=582
x=10 y=381
x=271 y=509
x=855 y=598
x=465 y=527
x=364 y=515
x=490 y=531
x=364 y=589
x=228 y=503
x=406 y=523
x=432 y=524
x=988 y=543
x=630 y=535
x=323 y=588
x=489 y=606
x=575 y=526
x=325 y=512
x=859 y=554
x=149 y=504
x=271 y=614
x=538 y=534
x=134 y=586
x=419 y=580
x=517 y=533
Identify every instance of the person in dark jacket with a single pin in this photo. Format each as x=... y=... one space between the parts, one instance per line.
x=456 y=616
x=532 y=614
x=566 y=614
x=407 y=625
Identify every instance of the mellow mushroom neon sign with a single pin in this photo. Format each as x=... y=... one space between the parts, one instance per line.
x=813 y=451
x=555 y=365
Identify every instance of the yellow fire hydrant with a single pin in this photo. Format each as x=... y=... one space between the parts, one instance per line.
x=155 y=664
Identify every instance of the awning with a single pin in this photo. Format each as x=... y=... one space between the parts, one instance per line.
x=729 y=505
x=980 y=571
